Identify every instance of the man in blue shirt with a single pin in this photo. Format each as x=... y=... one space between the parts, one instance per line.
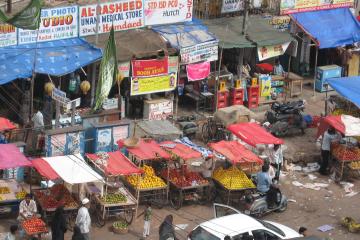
x=264 y=185
x=278 y=69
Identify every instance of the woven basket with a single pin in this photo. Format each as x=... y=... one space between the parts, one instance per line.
x=131 y=142
x=120 y=230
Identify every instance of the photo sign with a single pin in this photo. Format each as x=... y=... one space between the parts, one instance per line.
x=141 y=86
x=232 y=6
x=167 y=11
x=266 y=52
x=207 y=51
x=123 y=15
x=149 y=68
x=8 y=35
x=56 y=23
x=294 y=6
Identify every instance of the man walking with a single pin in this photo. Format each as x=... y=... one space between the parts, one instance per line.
x=83 y=220
x=147 y=218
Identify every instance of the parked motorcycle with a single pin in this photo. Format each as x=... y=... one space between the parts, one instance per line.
x=285 y=116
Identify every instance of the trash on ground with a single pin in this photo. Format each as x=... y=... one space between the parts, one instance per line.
x=325 y=228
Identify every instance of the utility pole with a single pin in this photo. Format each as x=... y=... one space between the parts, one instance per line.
x=93 y=73
x=9 y=6
x=246 y=17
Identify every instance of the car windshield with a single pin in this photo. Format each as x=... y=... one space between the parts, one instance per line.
x=201 y=234
x=272 y=227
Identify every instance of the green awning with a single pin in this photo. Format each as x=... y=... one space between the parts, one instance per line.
x=259 y=32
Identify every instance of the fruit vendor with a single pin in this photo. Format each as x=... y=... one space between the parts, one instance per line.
x=330 y=136
x=27 y=208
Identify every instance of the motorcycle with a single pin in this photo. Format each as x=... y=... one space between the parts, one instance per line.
x=284 y=117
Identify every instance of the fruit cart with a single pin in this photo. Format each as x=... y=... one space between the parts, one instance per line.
x=11 y=191
x=117 y=199
x=184 y=182
x=230 y=180
x=148 y=155
x=34 y=227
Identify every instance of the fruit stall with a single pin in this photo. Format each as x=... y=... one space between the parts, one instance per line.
x=150 y=157
x=117 y=199
x=69 y=171
x=185 y=184
x=346 y=154
x=230 y=177
x=11 y=191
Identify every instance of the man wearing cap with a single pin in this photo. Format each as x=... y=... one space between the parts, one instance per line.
x=27 y=208
x=83 y=220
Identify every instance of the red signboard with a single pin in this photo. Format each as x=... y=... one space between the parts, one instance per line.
x=149 y=68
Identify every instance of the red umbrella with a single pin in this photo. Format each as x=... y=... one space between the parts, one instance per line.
x=5 y=124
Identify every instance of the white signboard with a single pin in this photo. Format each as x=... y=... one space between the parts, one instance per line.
x=207 y=51
x=56 y=23
x=160 y=110
x=123 y=15
x=59 y=96
x=232 y=6
x=7 y=35
x=167 y=11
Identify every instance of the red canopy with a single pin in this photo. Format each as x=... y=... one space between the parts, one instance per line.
x=11 y=157
x=44 y=169
x=253 y=134
x=5 y=124
x=181 y=150
x=334 y=121
x=235 y=152
x=147 y=150
x=117 y=164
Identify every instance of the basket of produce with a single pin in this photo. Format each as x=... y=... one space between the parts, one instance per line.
x=34 y=226
x=120 y=227
x=113 y=198
x=147 y=181
x=345 y=153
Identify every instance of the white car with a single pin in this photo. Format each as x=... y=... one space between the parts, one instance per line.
x=230 y=222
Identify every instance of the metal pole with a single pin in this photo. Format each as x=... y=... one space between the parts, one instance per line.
x=9 y=6
x=93 y=73
x=246 y=16
x=316 y=59
x=326 y=99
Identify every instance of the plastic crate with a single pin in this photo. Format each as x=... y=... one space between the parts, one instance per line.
x=237 y=96
x=222 y=99
x=253 y=97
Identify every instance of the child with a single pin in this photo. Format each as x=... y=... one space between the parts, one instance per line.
x=13 y=232
x=303 y=231
x=147 y=218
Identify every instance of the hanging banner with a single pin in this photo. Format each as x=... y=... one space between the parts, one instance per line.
x=198 y=71
x=266 y=52
x=8 y=35
x=173 y=64
x=294 y=6
x=232 y=6
x=265 y=85
x=124 y=68
x=123 y=14
x=281 y=23
x=55 y=24
x=153 y=85
x=149 y=68
x=207 y=51
x=167 y=11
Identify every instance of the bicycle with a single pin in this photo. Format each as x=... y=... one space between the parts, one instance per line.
x=96 y=214
x=213 y=131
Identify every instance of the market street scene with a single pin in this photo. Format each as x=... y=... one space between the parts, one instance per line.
x=179 y=120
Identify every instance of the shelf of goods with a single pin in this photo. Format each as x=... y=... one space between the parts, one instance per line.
x=11 y=193
x=34 y=226
x=345 y=156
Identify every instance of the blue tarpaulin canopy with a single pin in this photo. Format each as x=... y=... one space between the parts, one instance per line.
x=185 y=34
x=54 y=58
x=329 y=28
x=348 y=87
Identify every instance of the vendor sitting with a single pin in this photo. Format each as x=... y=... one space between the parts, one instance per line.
x=278 y=69
x=27 y=208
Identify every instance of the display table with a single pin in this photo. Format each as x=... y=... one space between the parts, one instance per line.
x=293 y=85
x=9 y=202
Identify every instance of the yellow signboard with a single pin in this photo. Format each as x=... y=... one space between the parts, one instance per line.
x=294 y=6
x=153 y=84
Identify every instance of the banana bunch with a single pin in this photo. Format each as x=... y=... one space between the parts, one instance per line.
x=355 y=165
x=350 y=224
x=232 y=178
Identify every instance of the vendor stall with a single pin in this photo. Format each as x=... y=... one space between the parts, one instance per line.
x=11 y=191
x=117 y=199
x=231 y=181
x=148 y=155
x=346 y=155
x=72 y=169
x=185 y=183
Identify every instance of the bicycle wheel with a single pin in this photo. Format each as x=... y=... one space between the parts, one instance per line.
x=99 y=220
x=176 y=199
x=129 y=215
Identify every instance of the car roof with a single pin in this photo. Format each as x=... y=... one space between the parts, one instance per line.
x=231 y=224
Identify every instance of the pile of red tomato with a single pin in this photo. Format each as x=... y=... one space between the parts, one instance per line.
x=344 y=153
x=34 y=226
x=184 y=178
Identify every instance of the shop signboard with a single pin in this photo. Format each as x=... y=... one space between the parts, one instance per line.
x=207 y=51
x=8 y=35
x=294 y=6
x=59 y=96
x=266 y=52
x=265 y=85
x=173 y=64
x=167 y=11
x=55 y=24
x=156 y=84
x=120 y=133
x=149 y=68
x=198 y=71
x=160 y=110
x=281 y=23
x=232 y=6
x=124 y=68
x=121 y=14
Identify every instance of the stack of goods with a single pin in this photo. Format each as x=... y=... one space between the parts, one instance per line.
x=102 y=160
x=147 y=181
x=345 y=153
x=355 y=165
x=21 y=194
x=185 y=178
x=34 y=226
x=4 y=190
x=232 y=178
x=49 y=198
x=113 y=198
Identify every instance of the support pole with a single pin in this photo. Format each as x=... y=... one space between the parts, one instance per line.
x=246 y=17
x=316 y=59
x=93 y=73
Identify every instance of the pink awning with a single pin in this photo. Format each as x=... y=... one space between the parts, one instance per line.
x=11 y=157
x=182 y=151
x=44 y=169
x=147 y=150
x=5 y=124
x=253 y=134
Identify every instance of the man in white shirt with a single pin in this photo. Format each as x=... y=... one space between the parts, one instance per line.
x=277 y=159
x=330 y=136
x=83 y=220
x=27 y=208
x=38 y=120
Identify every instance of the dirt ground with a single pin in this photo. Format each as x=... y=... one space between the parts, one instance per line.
x=307 y=207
